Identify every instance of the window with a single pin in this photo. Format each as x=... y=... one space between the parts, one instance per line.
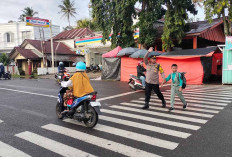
x=25 y=35
x=9 y=37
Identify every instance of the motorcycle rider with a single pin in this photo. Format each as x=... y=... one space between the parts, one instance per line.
x=61 y=67
x=152 y=79
x=2 y=70
x=141 y=73
x=79 y=82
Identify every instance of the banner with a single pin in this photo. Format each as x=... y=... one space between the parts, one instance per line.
x=31 y=21
x=228 y=43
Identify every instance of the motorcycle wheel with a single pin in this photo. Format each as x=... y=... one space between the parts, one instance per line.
x=59 y=110
x=93 y=119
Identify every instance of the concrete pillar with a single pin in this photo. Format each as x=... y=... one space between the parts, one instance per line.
x=29 y=67
x=195 y=42
x=87 y=59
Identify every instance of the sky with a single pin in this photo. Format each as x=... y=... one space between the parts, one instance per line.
x=48 y=9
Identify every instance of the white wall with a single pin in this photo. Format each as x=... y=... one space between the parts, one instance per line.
x=69 y=42
x=43 y=71
x=55 y=31
x=17 y=29
x=10 y=69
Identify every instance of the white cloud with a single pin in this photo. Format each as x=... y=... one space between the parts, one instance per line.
x=48 y=9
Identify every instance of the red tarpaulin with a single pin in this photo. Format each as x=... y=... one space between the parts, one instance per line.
x=217 y=61
x=191 y=65
x=113 y=53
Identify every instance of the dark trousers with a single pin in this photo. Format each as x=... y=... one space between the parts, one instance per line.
x=156 y=89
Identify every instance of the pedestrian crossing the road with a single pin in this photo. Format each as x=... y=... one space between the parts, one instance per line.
x=128 y=130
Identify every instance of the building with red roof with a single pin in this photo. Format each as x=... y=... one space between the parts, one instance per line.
x=33 y=54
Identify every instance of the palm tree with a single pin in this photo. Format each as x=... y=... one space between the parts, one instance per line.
x=67 y=9
x=27 y=12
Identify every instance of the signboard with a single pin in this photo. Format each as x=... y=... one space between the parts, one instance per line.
x=31 y=21
x=228 y=43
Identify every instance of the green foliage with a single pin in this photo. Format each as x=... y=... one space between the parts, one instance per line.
x=67 y=9
x=86 y=23
x=218 y=7
x=175 y=21
x=151 y=12
x=4 y=59
x=27 y=12
x=115 y=17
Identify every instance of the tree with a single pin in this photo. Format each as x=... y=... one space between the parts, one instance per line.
x=4 y=59
x=115 y=17
x=152 y=11
x=67 y=9
x=175 y=21
x=219 y=7
x=27 y=12
x=87 y=23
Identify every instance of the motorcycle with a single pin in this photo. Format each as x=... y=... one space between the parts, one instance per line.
x=93 y=68
x=135 y=83
x=84 y=109
x=64 y=76
x=7 y=75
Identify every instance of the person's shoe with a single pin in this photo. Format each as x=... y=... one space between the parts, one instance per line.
x=171 y=108
x=146 y=106
x=164 y=104
x=184 y=107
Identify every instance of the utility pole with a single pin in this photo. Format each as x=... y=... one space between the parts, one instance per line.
x=52 y=48
x=40 y=32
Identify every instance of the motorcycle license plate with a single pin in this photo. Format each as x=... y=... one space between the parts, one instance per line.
x=95 y=104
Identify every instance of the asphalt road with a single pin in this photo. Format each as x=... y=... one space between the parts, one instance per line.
x=29 y=126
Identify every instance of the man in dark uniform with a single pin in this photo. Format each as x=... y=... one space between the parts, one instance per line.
x=152 y=79
x=141 y=73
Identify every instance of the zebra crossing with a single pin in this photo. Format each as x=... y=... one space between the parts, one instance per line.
x=156 y=128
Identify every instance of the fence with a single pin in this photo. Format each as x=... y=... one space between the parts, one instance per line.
x=44 y=71
x=12 y=69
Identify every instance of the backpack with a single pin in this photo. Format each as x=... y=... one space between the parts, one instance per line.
x=182 y=76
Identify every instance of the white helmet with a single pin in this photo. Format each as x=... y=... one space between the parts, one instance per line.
x=61 y=63
x=1 y=63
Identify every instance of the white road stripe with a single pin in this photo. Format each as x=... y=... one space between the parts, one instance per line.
x=133 y=136
x=100 y=142
x=211 y=93
x=227 y=93
x=150 y=119
x=1 y=121
x=116 y=96
x=202 y=99
x=206 y=95
x=51 y=96
x=194 y=101
x=146 y=127
x=179 y=102
x=180 y=107
x=9 y=151
x=167 y=115
x=52 y=145
x=175 y=111
x=209 y=90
